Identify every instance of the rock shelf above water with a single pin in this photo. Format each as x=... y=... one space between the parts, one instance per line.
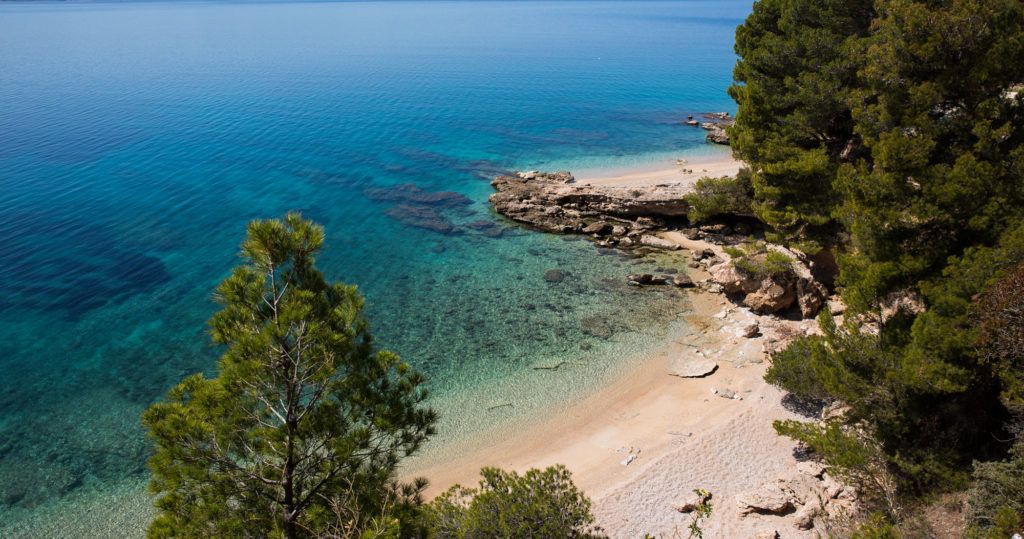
x=556 y=203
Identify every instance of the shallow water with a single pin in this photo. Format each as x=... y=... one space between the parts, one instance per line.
x=137 y=139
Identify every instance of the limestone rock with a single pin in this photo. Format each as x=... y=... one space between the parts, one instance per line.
x=732 y=281
x=718 y=136
x=658 y=243
x=811 y=468
x=751 y=330
x=682 y=280
x=692 y=368
x=601 y=228
x=836 y=307
x=811 y=296
x=772 y=297
x=553 y=202
x=769 y=498
x=804 y=517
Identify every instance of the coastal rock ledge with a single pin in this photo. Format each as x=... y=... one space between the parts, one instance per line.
x=645 y=218
x=554 y=202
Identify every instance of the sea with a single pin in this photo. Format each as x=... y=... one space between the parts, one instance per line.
x=137 y=139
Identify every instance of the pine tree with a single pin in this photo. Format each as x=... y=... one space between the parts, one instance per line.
x=794 y=123
x=943 y=166
x=305 y=423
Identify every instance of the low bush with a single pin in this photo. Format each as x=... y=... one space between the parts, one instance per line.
x=540 y=503
x=721 y=196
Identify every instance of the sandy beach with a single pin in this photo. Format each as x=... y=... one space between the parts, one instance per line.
x=644 y=441
x=684 y=171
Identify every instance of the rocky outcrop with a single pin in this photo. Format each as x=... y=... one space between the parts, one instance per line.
x=632 y=217
x=770 y=498
x=555 y=203
x=718 y=135
x=646 y=278
x=775 y=294
x=772 y=293
x=715 y=124
x=658 y=243
x=807 y=495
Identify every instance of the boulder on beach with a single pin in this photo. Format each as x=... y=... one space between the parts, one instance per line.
x=682 y=280
x=692 y=367
x=769 y=498
x=601 y=228
x=659 y=243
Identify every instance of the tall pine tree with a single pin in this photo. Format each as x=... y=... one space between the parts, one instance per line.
x=305 y=423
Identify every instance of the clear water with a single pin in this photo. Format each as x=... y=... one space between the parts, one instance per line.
x=138 y=138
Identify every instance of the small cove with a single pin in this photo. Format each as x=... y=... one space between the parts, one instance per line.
x=139 y=138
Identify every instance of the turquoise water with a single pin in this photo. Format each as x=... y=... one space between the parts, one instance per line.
x=137 y=139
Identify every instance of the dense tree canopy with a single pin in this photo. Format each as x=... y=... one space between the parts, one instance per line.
x=892 y=132
x=302 y=429
x=797 y=65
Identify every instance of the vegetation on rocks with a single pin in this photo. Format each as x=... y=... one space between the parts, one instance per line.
x=887 y=130
x=712 y=197
x=756 y=260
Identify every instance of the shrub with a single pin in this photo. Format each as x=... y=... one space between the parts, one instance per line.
x=756 y=260
x=540 y=503
x=997 y=497
x=721 y=196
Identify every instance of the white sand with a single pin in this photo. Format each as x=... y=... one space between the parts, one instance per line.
x=685 y=173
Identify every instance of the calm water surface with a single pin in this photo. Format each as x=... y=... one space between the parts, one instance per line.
x=137 y=139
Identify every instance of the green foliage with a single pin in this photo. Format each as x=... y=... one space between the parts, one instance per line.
x=303 y=427
x=756 y=260
x=997 y=497
x=928 y=397
x=891 y=121
x=713 y=197
x=876 y=526
x=700 y=514
x=541 y=503
x=794 y=123
x=943 y=155
x=852 y=454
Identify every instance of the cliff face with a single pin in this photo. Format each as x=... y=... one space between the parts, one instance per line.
x=555 y=203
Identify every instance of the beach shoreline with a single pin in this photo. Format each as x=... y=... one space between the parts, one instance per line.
x=686 y=169
x=646 y=438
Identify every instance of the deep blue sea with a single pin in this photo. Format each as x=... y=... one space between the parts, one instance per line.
x=138 y=138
